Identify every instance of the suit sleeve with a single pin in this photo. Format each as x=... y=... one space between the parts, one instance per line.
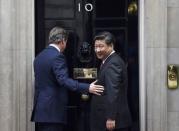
x=113 y=80
x=61 y=73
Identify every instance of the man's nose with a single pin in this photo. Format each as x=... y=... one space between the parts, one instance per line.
x=97 y=50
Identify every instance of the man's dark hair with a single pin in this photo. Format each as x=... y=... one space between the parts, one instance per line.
x=57 y=34
x=106 y=36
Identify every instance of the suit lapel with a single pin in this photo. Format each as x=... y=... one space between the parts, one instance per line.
x=105 y=64
x=107 y=61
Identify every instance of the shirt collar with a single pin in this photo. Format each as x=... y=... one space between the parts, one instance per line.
x=55 y=46
x=108 y=56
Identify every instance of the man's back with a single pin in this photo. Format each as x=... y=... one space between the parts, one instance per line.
x=43 y=67
x=50 y=98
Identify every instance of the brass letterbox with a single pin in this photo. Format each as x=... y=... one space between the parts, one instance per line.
x=85 y=73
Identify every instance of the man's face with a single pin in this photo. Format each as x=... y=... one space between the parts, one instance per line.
x=102 y=50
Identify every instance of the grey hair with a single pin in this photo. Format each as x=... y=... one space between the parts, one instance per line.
x=57 y=34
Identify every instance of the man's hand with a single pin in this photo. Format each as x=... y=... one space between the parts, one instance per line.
x=96 y=89
x=110 y=124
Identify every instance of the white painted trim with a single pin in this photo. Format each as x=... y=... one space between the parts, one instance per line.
x=32 y=126
x=142 y=85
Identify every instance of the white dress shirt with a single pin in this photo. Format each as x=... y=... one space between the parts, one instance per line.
x=55 y=46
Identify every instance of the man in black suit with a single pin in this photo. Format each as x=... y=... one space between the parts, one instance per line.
x=110 y=110
x=52 y=82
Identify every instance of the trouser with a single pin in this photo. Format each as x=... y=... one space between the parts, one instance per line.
x=40 y=126
x=122 y=129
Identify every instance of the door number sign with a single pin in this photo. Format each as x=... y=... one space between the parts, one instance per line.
x=88 y=7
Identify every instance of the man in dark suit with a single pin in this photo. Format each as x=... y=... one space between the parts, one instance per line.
x=52 y=82
x=110 y=110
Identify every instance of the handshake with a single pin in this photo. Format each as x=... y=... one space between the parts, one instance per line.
x=96 y=89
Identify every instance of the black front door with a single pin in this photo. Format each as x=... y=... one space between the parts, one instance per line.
x=83 y=19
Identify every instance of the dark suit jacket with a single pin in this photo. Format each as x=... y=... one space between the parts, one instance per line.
x=113 y=102
x=51 y=85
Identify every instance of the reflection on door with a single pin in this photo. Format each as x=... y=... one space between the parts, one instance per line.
x=83 y=19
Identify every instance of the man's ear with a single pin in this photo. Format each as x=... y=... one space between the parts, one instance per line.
x=60 y=42
x=64 y=40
